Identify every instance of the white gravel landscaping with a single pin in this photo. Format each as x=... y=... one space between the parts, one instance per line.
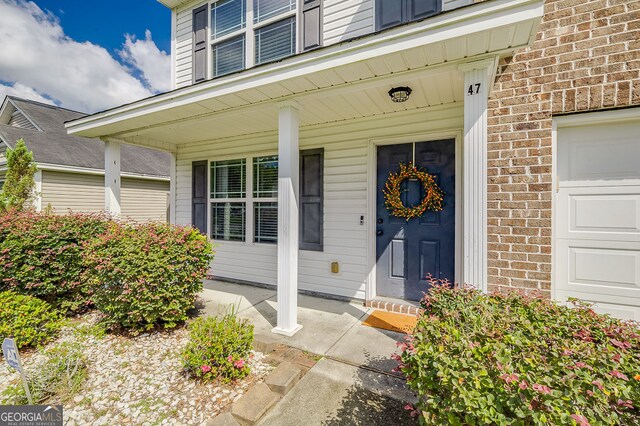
x=139 y=380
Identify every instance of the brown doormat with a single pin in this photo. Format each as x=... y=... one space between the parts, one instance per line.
x=400 y=323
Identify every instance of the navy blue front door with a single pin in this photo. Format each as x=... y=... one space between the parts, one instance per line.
x=407 y=251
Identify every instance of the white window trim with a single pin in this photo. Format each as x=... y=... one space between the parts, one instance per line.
x=249 y=31
x=249 y=200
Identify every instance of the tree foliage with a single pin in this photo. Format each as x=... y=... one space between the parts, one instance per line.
x=19 y=182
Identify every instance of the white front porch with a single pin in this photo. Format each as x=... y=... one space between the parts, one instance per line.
x=336 y=99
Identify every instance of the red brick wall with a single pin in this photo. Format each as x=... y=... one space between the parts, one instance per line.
x=586 y=57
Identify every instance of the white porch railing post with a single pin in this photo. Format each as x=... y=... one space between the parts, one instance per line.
x=112 y=178
x=477 y=81
x=288 y=171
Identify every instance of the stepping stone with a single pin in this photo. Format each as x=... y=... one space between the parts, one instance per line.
x=224 y=419
x=283 y=378
x=254 y=404
x=264 y=344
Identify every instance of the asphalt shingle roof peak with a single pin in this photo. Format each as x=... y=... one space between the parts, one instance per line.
x=54 y=146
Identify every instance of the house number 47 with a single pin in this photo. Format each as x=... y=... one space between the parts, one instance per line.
x=474 y=89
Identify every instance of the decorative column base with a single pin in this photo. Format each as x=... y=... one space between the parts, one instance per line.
x=288 y=333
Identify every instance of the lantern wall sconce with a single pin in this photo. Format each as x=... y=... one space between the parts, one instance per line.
x=400 y=94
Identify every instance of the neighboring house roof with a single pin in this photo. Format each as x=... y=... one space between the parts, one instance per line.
x=42 y=128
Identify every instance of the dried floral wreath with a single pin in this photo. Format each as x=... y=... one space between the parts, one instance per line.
x=433 y=194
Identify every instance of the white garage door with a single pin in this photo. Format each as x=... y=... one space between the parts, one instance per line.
x=597 y=213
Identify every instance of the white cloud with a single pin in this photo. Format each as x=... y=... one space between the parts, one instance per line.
x=153 y=63
x=37 y=58
x=22 y=91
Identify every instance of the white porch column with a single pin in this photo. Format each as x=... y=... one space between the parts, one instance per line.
x=37 y=191
x=172 y=188
x=112 y=178
x=477 y=80
x=288 y=171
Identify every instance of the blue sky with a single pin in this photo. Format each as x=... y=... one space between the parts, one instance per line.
x=84 y=55
x=105 y=22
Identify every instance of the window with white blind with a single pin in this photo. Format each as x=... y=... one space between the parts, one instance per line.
x=276 y=41
x=228 y=193
x=245 y=33
x=265 y=193
x=238 y=201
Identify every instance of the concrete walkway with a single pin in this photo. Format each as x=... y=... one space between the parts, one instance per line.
x=352 y=385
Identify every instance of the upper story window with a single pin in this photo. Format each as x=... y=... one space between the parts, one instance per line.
x=227 y=16
x=232 y=35
x=276 y=41
x=244 y=33
x=390 y=13
x=266 y=9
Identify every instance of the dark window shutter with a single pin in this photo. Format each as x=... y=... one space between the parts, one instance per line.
x=419 y=9
x=311 y=199
x=199 y=195
x=312 y=24
x=200 y=19
x=389 y=13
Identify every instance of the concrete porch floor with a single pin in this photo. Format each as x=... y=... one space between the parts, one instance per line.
x=330 y=328
x=352 y=385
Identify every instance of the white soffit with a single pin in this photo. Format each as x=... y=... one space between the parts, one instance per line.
x=493 y=27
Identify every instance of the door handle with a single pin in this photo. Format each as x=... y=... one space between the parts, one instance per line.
x=380 y=220
x=379 y=232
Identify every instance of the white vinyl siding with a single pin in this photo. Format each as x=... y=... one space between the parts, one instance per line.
x=341 y=20
x=345 y=19
x=184 y=45
x=142 y=199
x=454 y=4
x=345 y=198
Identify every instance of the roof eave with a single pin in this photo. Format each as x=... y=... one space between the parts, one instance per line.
x=449 y=25
x=172 y=4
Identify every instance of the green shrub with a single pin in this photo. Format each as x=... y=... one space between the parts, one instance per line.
x=29 y=320
x=218 y=347
x=41 y=255
x=58 y=376
x=147 y=275
x=511 y=359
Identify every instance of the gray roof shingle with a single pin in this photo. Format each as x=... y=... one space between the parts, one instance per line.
x=54 y=146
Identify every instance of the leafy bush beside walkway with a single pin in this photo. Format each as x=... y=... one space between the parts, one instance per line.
x=139 y=276
x=145 y=275
x=511 y=359
x=41 y=255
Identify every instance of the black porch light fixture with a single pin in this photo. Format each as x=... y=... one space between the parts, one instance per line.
x=400 y=94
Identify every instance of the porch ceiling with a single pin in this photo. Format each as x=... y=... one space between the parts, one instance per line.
x=336 y=83
x=358 y=100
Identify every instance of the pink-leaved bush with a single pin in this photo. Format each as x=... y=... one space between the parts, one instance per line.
x=516 y=359
x=41 y=255
x=146 y=275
